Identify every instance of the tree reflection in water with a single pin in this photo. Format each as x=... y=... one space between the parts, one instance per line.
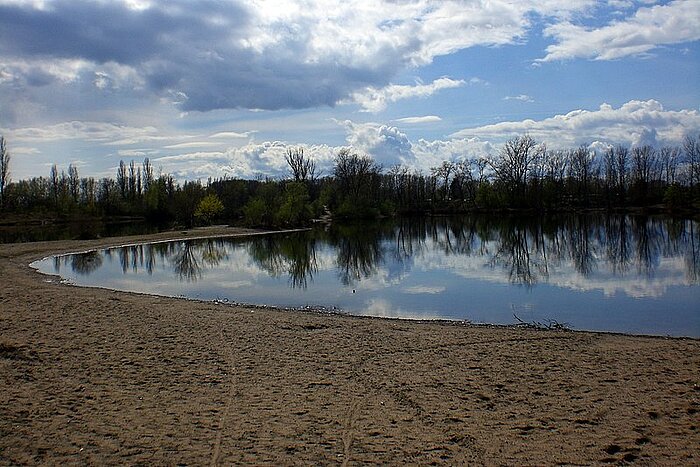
x=527 y=250
x=85 y=263
x=359 y=251
x=185 y=262
x=294 y=255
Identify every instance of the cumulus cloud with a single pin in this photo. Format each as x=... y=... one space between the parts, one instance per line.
x=432 y=153
x=649 y=28
x=249 y=161
x=387 y=144
x=629 y=124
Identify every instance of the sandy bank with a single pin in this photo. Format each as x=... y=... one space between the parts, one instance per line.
x=102 y=377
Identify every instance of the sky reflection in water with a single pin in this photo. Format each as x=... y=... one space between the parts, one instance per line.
x=623 y=274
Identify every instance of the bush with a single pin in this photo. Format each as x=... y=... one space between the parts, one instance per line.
x=209 y=209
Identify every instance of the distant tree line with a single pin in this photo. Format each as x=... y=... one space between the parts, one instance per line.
x=524 y=175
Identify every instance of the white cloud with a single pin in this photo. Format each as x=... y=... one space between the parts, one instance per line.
x=474 y=81
x=432 y=153
x=192 y=144
x=424 y=289
x=387 y=144
x=375 y=100
x=419 y=120
x=232 y=134
x=88 y=131
x=627 y=124
x=248 y=161
x=519 y=97
x=647 y=29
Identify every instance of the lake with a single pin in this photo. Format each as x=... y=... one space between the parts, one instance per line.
x=632 y=274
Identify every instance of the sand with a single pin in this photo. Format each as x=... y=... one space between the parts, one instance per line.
x=92 y=376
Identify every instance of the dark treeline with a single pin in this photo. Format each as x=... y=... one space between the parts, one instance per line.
x=523 y=176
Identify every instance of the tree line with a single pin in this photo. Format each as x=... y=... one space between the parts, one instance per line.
x=524 y=175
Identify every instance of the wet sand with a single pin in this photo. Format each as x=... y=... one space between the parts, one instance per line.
x=102 y=377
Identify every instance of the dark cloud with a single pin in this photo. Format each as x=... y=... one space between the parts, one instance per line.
x=200 y=50
x=110 y=31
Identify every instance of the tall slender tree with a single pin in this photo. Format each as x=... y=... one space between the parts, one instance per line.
x=4 y=170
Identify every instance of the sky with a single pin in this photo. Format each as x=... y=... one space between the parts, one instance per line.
x=218 y=88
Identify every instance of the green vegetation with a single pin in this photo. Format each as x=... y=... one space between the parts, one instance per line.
x=524 y=176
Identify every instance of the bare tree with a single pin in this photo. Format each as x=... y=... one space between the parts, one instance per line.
x=73 y=183
x=514 y=165
x=669 y=156
x=355 y=174
x=443 y=172
x=4 y=169
x=53 y=183
x=581 y=169
x=132 y=180
x=303 y=168
x=621 y=163
x=691 y=147
x=147 y=174
x=122 y=179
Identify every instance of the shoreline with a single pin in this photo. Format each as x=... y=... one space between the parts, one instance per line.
x=100 y=376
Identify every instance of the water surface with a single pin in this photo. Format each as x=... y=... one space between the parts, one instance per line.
x=609 y=273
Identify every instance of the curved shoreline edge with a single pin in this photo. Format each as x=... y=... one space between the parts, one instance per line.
x=231 y=232
x=103 y=377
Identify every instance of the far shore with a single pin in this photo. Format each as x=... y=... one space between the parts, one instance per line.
x=104 y=377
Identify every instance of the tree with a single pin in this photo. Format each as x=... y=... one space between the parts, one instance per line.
x=358 y=180
x=295 y=205
x=581 y=170
x=73 y=183
x=669 y=156
x=303 y=168
x=4 y=170
x=443 y=172
x=691 y=147
x=122 y=181
x=644 y=167
x=53 y=181
x=209 y=208
x=147 y=175
x=514 y=164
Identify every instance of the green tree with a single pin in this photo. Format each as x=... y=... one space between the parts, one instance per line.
x=209 y=208
x=295 y=208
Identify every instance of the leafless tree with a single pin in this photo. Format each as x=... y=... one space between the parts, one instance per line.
x=53 y=184
x=691 y=147
x=443 y=173
x=355 y=173
x=669 y=157
x=303 y=168
x=515 y=162
x=4 y=169
x=73 y=183
x=581 y=168
x=122 y=179
x=147 y=174
x=644 y=163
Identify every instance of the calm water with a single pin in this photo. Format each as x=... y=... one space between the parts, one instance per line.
x=626 y=274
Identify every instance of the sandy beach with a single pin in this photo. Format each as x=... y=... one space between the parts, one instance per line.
x=92 y=376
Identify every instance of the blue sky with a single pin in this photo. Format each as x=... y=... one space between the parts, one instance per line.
x=214 y=88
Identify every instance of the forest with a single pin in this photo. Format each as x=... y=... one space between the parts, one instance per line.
x=524 y=176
